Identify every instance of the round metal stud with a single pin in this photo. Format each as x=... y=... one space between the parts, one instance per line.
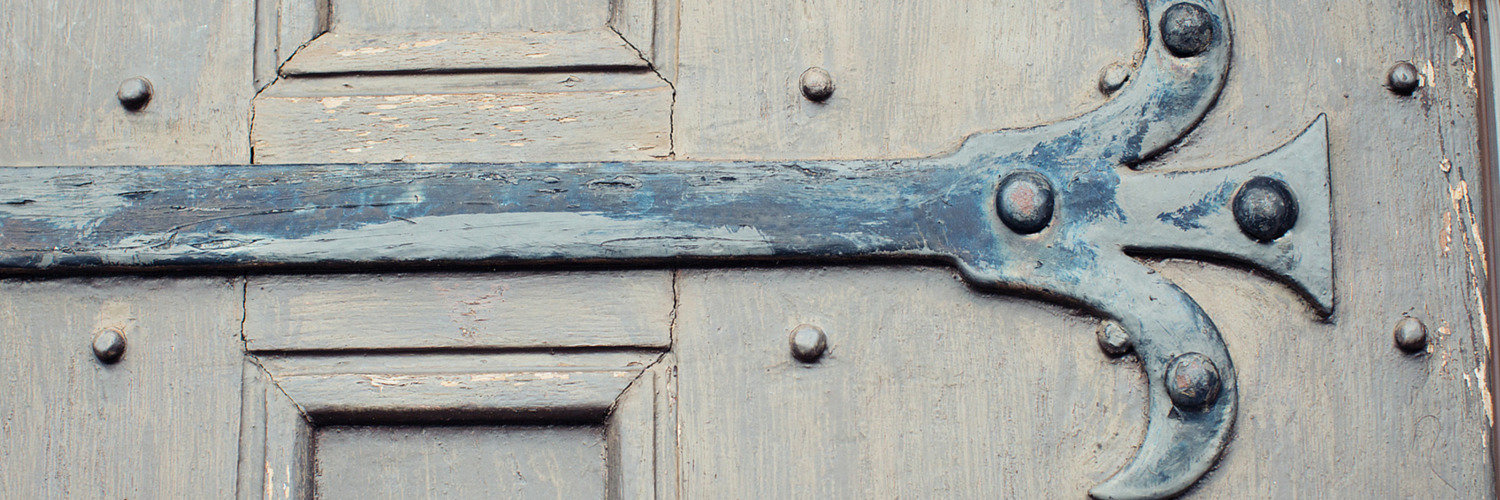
x=1187 y=29
x=817 y=84
x=808 y=343
x=1403 y=78
x=1192 y=381
x=1112 y=339
x=1025 y=202
x=109 y=345
x=1113 y=77
x=1411 y=335
x=1265 y=208
x=135 y=92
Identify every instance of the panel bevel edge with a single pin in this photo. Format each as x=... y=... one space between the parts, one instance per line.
x=630 y=438
x=284 y=396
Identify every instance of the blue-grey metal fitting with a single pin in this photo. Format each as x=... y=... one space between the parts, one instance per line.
x=1265 y=208
x=1025 y=201
x=1192 y=381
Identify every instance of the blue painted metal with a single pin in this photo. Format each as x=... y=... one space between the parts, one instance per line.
x=941 y=209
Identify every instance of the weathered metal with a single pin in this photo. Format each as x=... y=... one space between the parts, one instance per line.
x=1112 y=77
x=817 y=84
x=1265 y=208
x=1403 y=78
x=1103 y=211
x=109 y=345
x=1112 y=338
x=134 y=93
x=808 y=343
x=1410 y=335
x=1025 y=202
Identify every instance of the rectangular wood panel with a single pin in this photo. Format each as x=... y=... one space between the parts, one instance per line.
x=386 y=16
x=516 y=462
x=168 y=410
x=65 y=61
x=476 y=311
x=573 y=116
x=335 y=53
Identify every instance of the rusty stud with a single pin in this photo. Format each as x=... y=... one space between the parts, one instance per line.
x=1025 y=202
x=1411 y=335
x=1403 y=78
x=1265 y=208
x=1112 y=339
x=109 y=345
x=808 y=343
x=817 y=84
x=1187 y=29
x=1113 y=77
x=135 y=92
x=1192 y=381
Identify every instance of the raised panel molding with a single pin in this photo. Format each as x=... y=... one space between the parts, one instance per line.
x=548 y=93
x=288 y=398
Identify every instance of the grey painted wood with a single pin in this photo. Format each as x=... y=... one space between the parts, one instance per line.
x=1329 y=409
x=461 y=311
x=929 y=390
x=294 y=401
x=163 y=422
x=66 y=60
x=576 y=116
x=339 y=52
x=912 y=79
x=384 y=16
x=457 y=462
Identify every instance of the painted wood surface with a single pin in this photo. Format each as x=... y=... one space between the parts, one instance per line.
x=66 y=60
x=162 y=422
x=459 y=311
x=1329 y=409
x=294 y=401
x=575 y=116
x=493 y=16
x=339 y=53
x=912 y=79
x=515 y=462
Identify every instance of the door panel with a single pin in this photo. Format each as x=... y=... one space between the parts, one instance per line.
x=701 y=382
x=66 y=60
x=161 y=422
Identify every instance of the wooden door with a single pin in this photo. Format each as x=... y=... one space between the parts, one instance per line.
x=703 y=378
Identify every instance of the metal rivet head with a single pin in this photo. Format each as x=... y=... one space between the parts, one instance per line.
x=1265 y=208
x=1403 y=78
x=1025 y=202
x=808 y=343
x=109 y=345
x=135 y=92
x=1187 y=29
x=1411 y=335
x=1192 y=381
x=817 y=84
x=1113 y=77
x=1112 y=339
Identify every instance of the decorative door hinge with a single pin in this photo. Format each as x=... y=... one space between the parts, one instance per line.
x=1054 y=213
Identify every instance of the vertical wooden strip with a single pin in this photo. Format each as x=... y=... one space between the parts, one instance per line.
x=252 y=464
x=289 y=449
x=630 y=435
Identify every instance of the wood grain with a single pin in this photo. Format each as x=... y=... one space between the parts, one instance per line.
x=929 y=390
x=912 y=78
x=338 y=52
x=384 y=16
x=65 y=62
x=531 y=117
x=73 y=427
x=1329 y=409
x=421 y=311
x=515 y=462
